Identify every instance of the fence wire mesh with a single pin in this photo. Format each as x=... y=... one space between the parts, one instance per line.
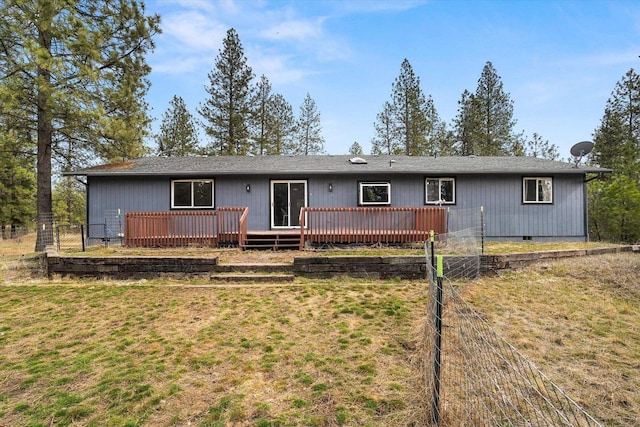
x=9 y=232
x=472 y=375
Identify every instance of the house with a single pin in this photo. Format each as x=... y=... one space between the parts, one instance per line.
x=522 y=198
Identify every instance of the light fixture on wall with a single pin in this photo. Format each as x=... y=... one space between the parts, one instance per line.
x=330 y=187
x=248 y=188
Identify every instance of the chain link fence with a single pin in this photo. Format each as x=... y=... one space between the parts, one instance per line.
x=79 y=236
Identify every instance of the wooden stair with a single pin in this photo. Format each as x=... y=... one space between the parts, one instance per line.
x=273 y=240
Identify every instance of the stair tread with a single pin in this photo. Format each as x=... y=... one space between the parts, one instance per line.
x=252 y=277
x=271 y=241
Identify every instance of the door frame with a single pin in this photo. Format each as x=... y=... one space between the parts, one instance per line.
x=272 y=213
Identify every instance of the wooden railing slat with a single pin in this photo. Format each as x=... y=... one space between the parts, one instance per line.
x=181 y=228
x=370 y=224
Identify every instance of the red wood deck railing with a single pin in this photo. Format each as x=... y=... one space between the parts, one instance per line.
x=370 y=224
x=225 y=225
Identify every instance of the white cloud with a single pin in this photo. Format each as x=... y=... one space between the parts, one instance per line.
x=192 y=31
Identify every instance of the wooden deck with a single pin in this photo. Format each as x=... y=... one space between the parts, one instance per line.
x=370 y=225
x=184 y=228
x=227 y=226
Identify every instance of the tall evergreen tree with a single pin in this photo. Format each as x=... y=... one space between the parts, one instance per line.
x=226 y=112
x=541 y=148
x=387 y=138
x=617 y=139
x=309 y=129
x=485 y=124
x=355 y=149
x=17 y=178
x=614 y=203
x=178 y=134
x=78 y=65
x=467 y=125
x=272 y=121
x=261 y=116
x=411 y=107
x=409 y=124
x=69 y=201
x=614 y=209
x=282 y=127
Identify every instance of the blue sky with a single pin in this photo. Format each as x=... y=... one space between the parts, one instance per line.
x=558 y=60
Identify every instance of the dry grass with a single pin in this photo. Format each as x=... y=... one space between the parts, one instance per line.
x=161 y=352
x=578 y=320
x=234 y=255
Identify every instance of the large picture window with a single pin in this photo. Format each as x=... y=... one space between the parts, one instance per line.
x=192 y=194
x=374 y=193
x=537 y=190
x=440 y=190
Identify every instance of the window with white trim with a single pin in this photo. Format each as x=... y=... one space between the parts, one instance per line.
x=440 y=190
x=374 y=193
x=192 y=194
x=537 y=190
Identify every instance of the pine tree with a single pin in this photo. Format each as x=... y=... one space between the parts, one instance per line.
x=356 y=149
x=282 y=127
x=614 y=203
x=17 y=178
x=78 y=70
x=69 y=201
x=227 y=110
x=410 y=107
x=260 y=117
x=409 y=124
x=387 y=139
x=484 y=125
x=272 y=121
x=617 y=140
x=538 y=147
x=178 y=134
x=467 y=124
x=309 y=129
x=439 y=140
x=614 y=209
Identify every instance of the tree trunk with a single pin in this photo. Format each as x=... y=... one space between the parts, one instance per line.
x=45 y=130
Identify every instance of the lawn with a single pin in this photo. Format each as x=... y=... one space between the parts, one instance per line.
x=162 y=352
x=342 y=352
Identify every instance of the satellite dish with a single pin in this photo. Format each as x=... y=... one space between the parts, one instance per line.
x=580 y=150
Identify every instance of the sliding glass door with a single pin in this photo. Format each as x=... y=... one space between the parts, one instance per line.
x=287 y=198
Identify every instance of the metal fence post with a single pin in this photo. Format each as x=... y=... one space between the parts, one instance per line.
x=482 y=227
x=82 y=236
x=432 y=239
x=435 y=414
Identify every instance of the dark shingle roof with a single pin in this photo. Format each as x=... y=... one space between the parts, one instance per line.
x=333 y=164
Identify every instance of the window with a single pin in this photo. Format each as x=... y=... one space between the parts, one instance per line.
x=537 y=190
x=374 y=193
x=192 y=194
x=440 y=191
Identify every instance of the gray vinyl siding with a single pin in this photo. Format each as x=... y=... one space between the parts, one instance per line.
x=505 y=216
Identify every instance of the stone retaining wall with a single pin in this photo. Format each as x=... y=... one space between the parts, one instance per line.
x=372 y=267
x=126 y=267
